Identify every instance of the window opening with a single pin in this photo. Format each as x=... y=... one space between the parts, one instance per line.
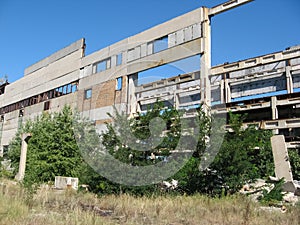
x=160 y=44
x=119 y=83
x=88 y=94
x=119 y=59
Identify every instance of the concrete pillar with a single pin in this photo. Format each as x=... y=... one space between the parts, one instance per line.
x=274 y=112
x=281 y=158
x=131 y=97
x=25 y=138
x=222 y=91
x=227 y=91
x=274 y=108
x=1 y=130
x=205 y=60
x=289 y=80
x=176 y=100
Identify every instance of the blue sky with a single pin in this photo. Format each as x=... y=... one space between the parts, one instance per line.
x=33 y=29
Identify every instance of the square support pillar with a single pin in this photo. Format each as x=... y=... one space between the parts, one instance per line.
x=25 y=138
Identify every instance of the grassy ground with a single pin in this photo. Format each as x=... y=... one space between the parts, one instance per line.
x=68 y=207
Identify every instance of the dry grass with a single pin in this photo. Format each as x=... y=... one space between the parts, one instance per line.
x=67 y=207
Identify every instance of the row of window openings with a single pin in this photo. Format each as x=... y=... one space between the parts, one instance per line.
x=163 y=43
x=54 y=93
x=152 y=47
x=21 y=111
x=155 y=46
x=106 y=64
x=158 y=45
x=119 y=82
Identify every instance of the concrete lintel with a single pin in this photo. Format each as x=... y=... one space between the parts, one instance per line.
x=227 y=6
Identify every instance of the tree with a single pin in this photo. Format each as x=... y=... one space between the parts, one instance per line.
x=245 y=155
x=52 y=149
x=175 y=136
x=294 y=156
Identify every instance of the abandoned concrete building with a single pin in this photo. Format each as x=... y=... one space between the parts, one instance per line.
x=266 y=87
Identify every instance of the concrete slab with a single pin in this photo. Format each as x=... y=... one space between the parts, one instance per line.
x=281 y=158
x=66 y=182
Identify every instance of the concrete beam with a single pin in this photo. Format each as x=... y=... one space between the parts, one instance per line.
x=253 y=62
x=227 y=6
x=78 y=45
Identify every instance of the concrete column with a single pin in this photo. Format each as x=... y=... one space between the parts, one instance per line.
x=227 y=92
x=274 y=112
x=289 y=80
x=222 y=91
x=131 y=97
x=25 y=138
x=1 y=147
x=176 y=100
x=274 y=108
x=205 y=60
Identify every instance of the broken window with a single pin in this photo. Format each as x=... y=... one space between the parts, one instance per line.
x=179 y=67
x=65 y=89
x=88 y=94
x=69 y=89
x=160 y=44
x=101 y=66
x=46 y=105
x=119 y=59
x=2 y=118
x=134 y=53
x=5 y=150
x=21 y=113
x=119 y=83
x=74 y=87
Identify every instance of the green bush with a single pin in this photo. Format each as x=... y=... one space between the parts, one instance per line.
x=294 y=156
x=274 y=196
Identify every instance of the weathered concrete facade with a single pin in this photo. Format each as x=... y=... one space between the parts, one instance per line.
x=266 y=86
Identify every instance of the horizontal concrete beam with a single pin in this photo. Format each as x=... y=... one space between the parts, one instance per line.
x=226 y=6
x=78 y=45
x=249 y=63
x=168 y=82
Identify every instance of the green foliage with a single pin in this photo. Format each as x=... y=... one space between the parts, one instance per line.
x=4 y=173
x=274 y=196
x=294 y=156
x=52 y=149
x=119 y=139
x=245 y=155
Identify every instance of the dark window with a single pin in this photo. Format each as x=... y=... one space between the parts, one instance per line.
x=5 y=151
x=21 y=113
x=46 y=105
